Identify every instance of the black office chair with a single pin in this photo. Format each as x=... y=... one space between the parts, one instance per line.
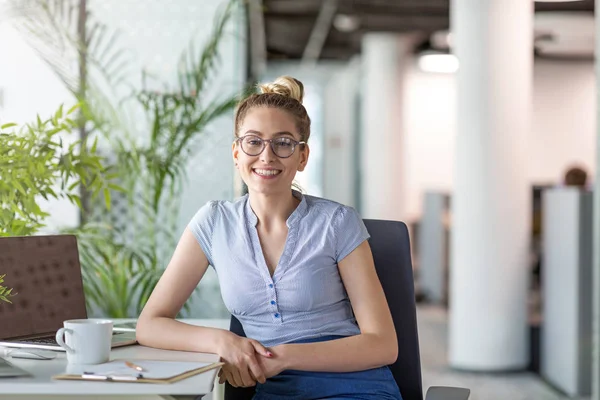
x=390 y=245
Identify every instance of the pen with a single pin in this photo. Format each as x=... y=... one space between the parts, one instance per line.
x=134 y=366
x=109 y=377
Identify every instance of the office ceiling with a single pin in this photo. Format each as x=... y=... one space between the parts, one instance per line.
x=289 y=23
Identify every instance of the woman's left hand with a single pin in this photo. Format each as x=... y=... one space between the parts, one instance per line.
x=273 y=365
x=270 y=365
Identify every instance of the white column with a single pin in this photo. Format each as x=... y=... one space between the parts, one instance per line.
x=491 y=201
x=382 y=150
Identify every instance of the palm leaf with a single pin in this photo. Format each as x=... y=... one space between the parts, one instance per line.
x=200 y=71
x=50 y=27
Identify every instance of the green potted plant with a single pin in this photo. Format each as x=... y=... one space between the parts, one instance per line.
x=35 y=163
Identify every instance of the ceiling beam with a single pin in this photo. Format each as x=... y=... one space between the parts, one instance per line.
x=586 y=5
x=400 y=23
x=286 y=45
x=359 y=14
x=329 y=53
x=313 y=6
x=292 y=7
x=319 y=33
x=404 y=3
x=291 y=24
x=298 y=27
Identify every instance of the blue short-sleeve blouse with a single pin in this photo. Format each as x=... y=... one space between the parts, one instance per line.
x=305 y=298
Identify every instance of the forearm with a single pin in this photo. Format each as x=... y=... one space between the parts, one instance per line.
x=170 y=334
x=355 y=353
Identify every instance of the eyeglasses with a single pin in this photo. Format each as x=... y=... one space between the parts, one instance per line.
x=283 y=147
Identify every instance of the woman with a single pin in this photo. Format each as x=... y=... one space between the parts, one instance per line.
x=296 y=270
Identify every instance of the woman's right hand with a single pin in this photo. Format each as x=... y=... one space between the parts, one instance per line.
x=242 y=368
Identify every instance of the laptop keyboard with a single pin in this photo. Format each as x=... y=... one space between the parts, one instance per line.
x=44 y=340
x=49 y=340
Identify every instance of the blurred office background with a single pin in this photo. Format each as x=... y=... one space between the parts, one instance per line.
x=460 y=118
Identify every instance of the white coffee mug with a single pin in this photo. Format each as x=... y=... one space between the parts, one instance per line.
x=87 y=341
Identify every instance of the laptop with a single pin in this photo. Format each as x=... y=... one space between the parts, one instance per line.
x=45 y=274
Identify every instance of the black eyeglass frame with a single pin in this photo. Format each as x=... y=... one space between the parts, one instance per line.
x=295 y=143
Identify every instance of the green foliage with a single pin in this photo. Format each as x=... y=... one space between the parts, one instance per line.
x=35 y=162
x=5 y=292
x=117 y=277
x=122 y=262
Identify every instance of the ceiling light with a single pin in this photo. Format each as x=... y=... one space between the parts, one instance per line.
x=556 y=1
x=346 y=23
x=441 y=63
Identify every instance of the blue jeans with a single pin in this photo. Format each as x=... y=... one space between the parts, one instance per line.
x=377 y=383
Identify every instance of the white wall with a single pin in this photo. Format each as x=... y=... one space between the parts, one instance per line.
x=563 y=128
x=430 y=128
x=562 y=132
x=564 y=119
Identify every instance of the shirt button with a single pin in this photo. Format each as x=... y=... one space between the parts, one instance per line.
x=276 y=315
x=270 y=285
x=273 y=302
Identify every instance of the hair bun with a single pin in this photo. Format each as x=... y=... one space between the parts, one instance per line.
x=285 y=86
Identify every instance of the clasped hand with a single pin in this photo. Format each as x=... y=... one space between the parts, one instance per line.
x=247 y=362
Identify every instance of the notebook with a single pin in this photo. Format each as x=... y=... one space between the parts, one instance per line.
x=8 y=370
x=153 y=371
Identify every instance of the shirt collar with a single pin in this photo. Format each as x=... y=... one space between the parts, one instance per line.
x=297 y=214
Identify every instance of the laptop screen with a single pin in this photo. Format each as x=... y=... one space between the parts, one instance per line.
x=45 y=275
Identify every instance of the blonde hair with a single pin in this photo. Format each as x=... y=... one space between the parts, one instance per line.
x=285 y=86
x=285 y=93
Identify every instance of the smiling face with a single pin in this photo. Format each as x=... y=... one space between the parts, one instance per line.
x=267 y=173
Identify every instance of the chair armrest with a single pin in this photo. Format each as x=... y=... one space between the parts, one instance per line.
x=447 y=393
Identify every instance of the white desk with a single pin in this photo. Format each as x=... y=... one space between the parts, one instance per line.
x=42 y=371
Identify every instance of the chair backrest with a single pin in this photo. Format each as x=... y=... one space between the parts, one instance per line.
x=390 y=245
